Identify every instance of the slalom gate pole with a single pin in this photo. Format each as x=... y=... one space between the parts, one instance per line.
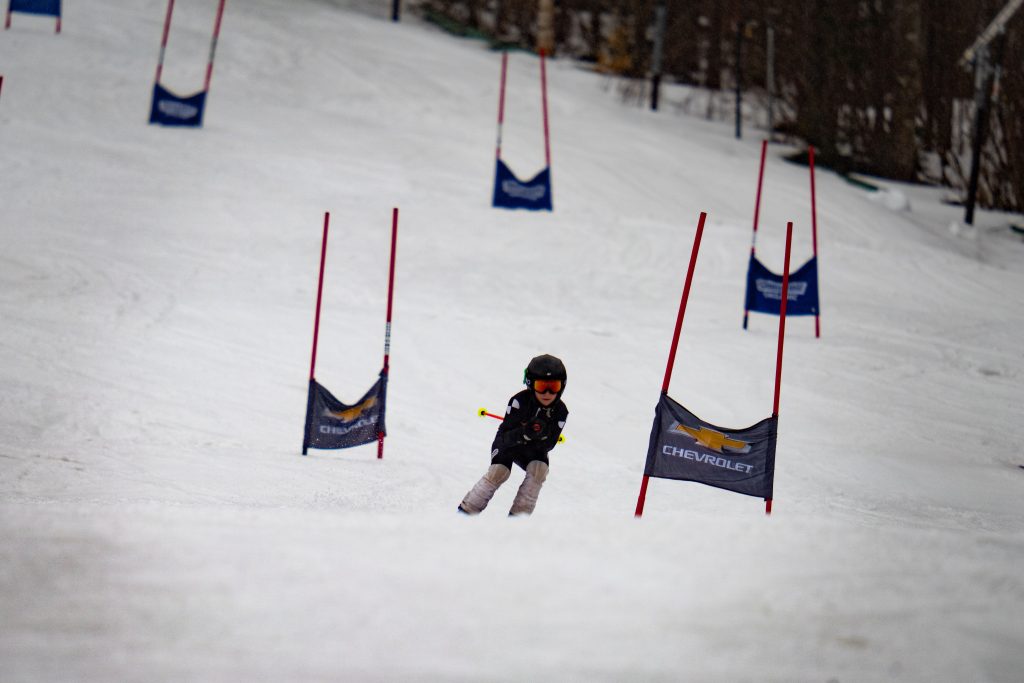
x=387 y=327
x=757 y=213
x=782 y=337
x=814 y=232
x=213 y=45
x=57 y=28
x=544 y=105
x=501 y=100
x=757 y=200
x=1 y=83
x=682 y=304
x=675 y=341
x=163 y=40
x=7 y=20
x=316 y=332
x=319 y=293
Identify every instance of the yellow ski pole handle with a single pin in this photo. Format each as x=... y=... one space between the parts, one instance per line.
x=483 y=412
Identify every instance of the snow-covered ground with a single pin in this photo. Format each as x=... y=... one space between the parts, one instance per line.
x=157 y=289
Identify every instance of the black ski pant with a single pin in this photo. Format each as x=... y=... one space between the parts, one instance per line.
x=520 y=455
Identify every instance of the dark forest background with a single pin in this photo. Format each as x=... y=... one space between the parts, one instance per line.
x=875 y=85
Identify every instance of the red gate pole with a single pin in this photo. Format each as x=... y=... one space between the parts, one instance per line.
x=316 y=331
x=814 y=232
x=163 y=40
x=757 y=213
x=782 y=336
x=757 y=200
x=675 y=341
x=544 y=105
x=501 y=101
x=319 y=294
x=213 y=45
x=387 y=328
x=57 y=27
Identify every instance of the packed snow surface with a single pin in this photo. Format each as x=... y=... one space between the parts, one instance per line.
x=157 y=292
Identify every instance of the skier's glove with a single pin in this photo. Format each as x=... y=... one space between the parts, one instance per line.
x=537 y=429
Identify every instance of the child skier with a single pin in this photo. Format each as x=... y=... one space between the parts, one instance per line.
x=533 y=421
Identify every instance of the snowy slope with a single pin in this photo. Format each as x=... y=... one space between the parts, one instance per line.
x=156 y=306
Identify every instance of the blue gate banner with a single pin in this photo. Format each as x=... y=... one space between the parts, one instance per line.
x=47 y=7
x=333 y=424
x=512 y=193
x=685 y=447
x=764 y=289
x=171 y=110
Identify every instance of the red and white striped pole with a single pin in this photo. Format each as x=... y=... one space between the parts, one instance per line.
x=544 y=105
x=213 y=45
x=316 y=331
x=782 y=337
x=163 y=40
x=675 y=341
x=501 y=101
x=757 y=213
x=387 y=328
x=814 y=233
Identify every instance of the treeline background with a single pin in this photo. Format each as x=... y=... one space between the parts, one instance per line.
x=875 y=85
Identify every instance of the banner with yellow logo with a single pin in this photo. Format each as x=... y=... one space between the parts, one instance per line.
x=685 y=447
x=333 y=424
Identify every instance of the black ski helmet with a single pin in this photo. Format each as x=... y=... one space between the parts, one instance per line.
x=545 y=367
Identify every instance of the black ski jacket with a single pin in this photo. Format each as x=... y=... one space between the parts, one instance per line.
x=522 y=409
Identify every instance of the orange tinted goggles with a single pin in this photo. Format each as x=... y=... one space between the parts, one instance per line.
x=547 y=386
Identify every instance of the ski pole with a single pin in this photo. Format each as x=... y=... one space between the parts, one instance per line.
x=483 y=413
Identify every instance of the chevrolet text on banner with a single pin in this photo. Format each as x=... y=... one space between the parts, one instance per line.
x=764 y=289
x=333 y=424
x=169 y=109
x=687 y=448
x=512 y=193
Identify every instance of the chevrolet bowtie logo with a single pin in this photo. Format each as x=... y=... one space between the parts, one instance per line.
x=353 y=412
x=716 y=441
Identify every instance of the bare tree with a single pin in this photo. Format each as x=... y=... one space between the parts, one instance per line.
x=873 y=84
